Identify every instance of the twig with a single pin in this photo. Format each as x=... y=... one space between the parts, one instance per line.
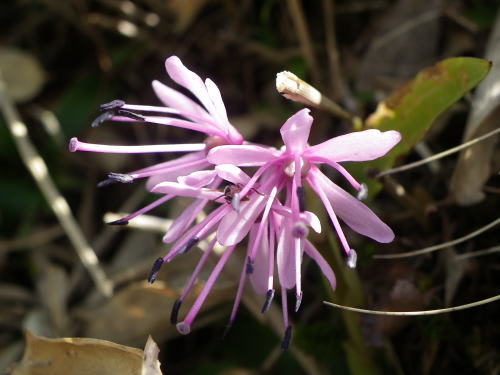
x=302 y=32
x=337 y=83
x=56 y=201
x=416 y=313
x=143 y=222
x=438 y=156
x=36 y=239
x=441 y=245
x=472 y=254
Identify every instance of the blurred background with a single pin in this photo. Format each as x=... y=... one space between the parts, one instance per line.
x=61 y=59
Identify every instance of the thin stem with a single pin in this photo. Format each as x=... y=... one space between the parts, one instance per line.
x=76 y=145
x=443 y=245
x=472 y=254
x=439 y=155
x=302 y=32
x=56 y=201
x=416 y=313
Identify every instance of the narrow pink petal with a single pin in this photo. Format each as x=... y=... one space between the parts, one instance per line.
x=236 y=225
x=176 y=171
x=198 y=178
x=285 y=256
x=234 y=137
x=259 y=277
x=216 y=98
x=354 y=213
x=190 y=80
x=358 y=146
x=182 y=190
x=175 y=99
x=308 y=217
x=295 y=131
x=232 y=173
x=242 y=155
x=184 y=220
x=191 y=157
x=322 y=264
x=311 y=220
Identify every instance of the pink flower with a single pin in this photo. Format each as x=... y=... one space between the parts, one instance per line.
x=261 y=216
x=288 y=169
x=277 y=232
x=179 y=111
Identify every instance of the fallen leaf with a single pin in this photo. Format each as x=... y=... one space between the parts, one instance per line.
x=413 y=107
x=77 y=356
x=474 y=163
x=150 y=362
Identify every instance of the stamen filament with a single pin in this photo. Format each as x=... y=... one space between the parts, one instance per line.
x=311 y=179
x=184 y=327
x=76 y=145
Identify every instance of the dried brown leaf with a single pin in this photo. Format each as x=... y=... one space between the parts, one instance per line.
x=77 y=356
x=474 y=164
x=150 y=362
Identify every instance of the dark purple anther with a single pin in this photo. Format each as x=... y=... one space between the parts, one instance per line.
x=301 y=195
x=227 y=328
x=298 y=301
x=131 y=115
x=121 y=177
x=286 y=338
x=118 y=222
x=153 y=274
x=101 y=118
x=193 y=241
x=249 y=266
x=267 y=303
x=115 y=104
x=106 y=182
x=175 y=311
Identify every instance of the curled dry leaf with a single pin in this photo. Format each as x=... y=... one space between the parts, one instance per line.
x=141 y=309
x=77 y=356
x=22 y=73
x=150 y=362
x=474 y=164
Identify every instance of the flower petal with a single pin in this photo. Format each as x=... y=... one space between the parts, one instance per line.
x=198 y=178
x=236 y=225
x=221 y=115
x=175 y=173
x=311 y=220
x=358 y=146
x=216 y=98
x=259 y=276
x=310 y=250
x=184 y=220
x=232 y=173
x=295 y=131
x=174 y=99
x=354 y=213
x=285 y=255
x=182 y=190
x=242 y=155
x=190 y=80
